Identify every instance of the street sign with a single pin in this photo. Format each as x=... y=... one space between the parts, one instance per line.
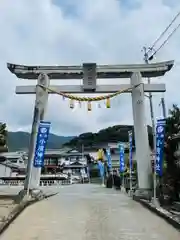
x=42 y=137
x=89 y=76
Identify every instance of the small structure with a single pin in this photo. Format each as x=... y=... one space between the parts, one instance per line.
x=77 y=169
x=15 y=158
x=14 y=161
x=5 y=171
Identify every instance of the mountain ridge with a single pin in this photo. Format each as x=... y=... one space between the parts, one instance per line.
x=20 y=140
x=118 y=133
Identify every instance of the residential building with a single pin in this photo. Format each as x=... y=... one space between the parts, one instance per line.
x=65 y=161
x=14 y=160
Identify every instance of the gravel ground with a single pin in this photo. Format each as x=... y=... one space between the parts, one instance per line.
x=6 y=206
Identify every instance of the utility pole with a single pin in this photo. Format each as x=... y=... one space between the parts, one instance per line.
x=146 y=59
x=163 y=107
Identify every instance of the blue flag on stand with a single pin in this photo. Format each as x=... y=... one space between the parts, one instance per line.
x=101 y=168
x=109 y=160
x=121 y=158
x=130 y=149
x=160 y=136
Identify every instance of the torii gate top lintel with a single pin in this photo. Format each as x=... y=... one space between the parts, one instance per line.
x=89 y=72
x=102 y=71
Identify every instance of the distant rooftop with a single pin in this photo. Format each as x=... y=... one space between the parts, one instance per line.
x=62 y=152
x=11 y=154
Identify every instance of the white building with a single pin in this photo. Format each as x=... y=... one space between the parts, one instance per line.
x=5 y=171
x=14 y=158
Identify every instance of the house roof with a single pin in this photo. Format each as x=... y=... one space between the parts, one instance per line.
x=74 y=165
x=61 y=152
x=11 y=155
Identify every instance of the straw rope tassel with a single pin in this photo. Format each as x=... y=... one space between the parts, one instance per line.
x=108 y=104
x=89 y=106
x=71 y=104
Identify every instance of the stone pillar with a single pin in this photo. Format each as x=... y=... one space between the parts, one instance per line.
x=41 y=104
x=141 y=134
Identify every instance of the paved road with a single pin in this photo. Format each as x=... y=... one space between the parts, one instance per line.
x=89 y=212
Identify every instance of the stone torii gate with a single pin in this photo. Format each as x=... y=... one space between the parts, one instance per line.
x=89 y=72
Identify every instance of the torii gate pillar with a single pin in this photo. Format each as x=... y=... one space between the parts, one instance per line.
x=33 y=174
x=141 y=134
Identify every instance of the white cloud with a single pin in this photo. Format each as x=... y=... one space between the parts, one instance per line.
x=73 y=32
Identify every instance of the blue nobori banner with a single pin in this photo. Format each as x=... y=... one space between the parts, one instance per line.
x=160 y=137
x=109 y=160
x=121 y=158
x=42 y=137
x=161 y=121
x=101 y=168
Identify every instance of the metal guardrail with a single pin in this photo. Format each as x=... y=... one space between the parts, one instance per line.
x=55 y=182
x=42 y=182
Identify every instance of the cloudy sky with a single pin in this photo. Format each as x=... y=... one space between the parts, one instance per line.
x=76 y=31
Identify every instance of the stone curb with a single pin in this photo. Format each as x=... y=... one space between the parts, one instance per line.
x=168 y=217
x=19 y=209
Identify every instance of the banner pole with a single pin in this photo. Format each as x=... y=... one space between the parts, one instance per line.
x=112 y=178
x=130 y=161
x=130 y=181
x=123 y=179
x=155 y=180
x=155 y=167
x=102 y=181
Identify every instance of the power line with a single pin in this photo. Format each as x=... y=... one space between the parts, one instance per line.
x=162 y=45
x=163 y=33
x=167 y=39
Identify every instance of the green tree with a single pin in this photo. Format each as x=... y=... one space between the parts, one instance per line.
x=115 y=134
x=3 y=138
x=173 y=122
x=171 y=176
